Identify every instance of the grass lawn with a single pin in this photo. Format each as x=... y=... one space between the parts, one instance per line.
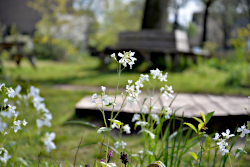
x=200 y=79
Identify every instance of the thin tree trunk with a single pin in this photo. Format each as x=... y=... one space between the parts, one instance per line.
x=204 y=34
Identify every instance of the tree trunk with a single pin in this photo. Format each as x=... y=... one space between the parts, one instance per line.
x=155 y=15
x=204 y=34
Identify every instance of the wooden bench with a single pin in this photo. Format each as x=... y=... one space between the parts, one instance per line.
x=20 y=53
x=154 y=44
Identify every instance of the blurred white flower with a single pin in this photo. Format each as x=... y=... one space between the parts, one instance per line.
x=17 y=125
x=3 y=125
x=162 y=77
x=243 y=131
x=94 y=97
x=217 y=137
x=105 y=99
x=130 y=82
x=121 y=144
x=136 y=117
x=48 y=141
x=1 y=85
x=227 y=134
x=114 y=125
x=24 y=122
x=5 y=158
x=155 y=73
x=113 y=55
x=126 y=128
x=144 y=77
x=156 y=118
x=10 y=92
x=103 y=88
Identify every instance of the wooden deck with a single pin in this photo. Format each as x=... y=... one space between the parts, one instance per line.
x=189 y=104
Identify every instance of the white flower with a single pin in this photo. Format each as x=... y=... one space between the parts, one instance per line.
x=18 y=89
x=144 y=77
x=217 y=137
x=224 y=150
x=227 y=134
x=130 y=82
x=41 y=107
x=136 y=117
x=121 y=144
x=94 y=97
x=48 y=141
x=11 y=108
x=243 y=131
x=162 y=89
x=5 y=101
x=108 y=164
x=156 y=118
x=17 y=125
x=249 y=97
x=24 y=123
x=126 y=128
x=127 y=58
x=168 y=112
x=222 y=143
x=114 y=125
x=103 y=88
x=139 y=84
x=105 y=99
x=163 y=77
x=152 y=136
x=5 y=158
x=113 y=55
x=10 y=92
x=155 y=73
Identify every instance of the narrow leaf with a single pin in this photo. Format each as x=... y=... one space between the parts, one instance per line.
x=208 y=117
x=203 y=117
x=191 y=126
x=103 y=129
x=200 y=126
x=193 y=155
x=199 y=120
x=83 y=123
x=208 y=142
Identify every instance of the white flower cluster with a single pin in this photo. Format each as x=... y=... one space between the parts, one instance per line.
x=37 y=100
x=104 y=98
x=48 y=141
x=126 y=58
x=221 y=142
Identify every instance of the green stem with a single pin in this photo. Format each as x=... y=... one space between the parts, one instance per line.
x=230 y=160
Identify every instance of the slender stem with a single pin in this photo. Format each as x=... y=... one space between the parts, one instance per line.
x=230 y=160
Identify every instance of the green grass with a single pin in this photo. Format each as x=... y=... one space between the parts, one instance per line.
x=201 y=79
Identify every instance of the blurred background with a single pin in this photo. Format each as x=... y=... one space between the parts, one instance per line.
x=77 y=31
x=64 y=47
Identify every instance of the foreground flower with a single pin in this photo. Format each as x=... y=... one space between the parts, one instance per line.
x=136 y=117
x=227 y=134
x=108 y=164
x=127 y=58
x=124 y=158
x=48 y=141
x=243 y=131
x=5 y=158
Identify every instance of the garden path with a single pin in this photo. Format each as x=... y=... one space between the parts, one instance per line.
x=187 y=103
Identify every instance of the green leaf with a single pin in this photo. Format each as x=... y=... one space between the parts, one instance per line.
x=96 y=164
x=193 y=155
x=103 y=129
x=211 y=148
x=208 y=142
x=200 y=126
x=203 y=117
x=199 y=154
x=208 y=117
x=83 y=123
x=199 y=120
x=117 y=122
x=240 y=151
x=191 y=126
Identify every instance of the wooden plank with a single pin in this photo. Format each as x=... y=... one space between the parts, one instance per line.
x=229 y=106
x=208 y=105
x=240 y=102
